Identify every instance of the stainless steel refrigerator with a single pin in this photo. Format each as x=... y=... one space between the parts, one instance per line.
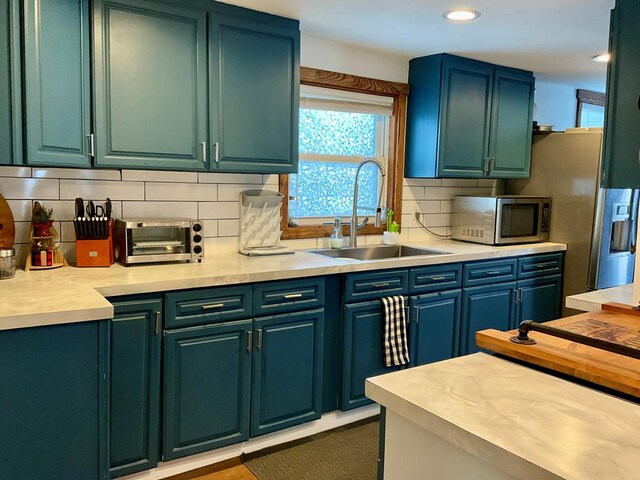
x=598 y=225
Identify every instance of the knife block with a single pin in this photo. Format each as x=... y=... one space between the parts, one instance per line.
x=96 y=253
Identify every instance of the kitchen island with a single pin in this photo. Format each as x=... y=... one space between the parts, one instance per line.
x=480 y=417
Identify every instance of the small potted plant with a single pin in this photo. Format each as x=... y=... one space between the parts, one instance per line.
x=42 y=221
x=392 y=235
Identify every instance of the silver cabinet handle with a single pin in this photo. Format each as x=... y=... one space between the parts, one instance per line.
x=494 y=272
x=249 y=340
x=492 y=165
x=417 y=313
x=289 y=296
x=485 y=166
x=204 y=151
x=217 y=152
x=380 y=285
x=158 y=322
x=437 y=279
x=212 y=306
x=92 y=145
x=259 y=344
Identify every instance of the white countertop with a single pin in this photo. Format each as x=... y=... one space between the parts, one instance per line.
x=530 y=424
x=72 y=294
x=593 y=301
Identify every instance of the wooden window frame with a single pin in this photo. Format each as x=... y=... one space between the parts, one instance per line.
x=395 y=153
x=587 y=96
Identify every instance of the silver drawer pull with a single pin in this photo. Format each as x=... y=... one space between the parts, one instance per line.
x=289 y=296
x=545 y=265
x=494 y=272
x=437 y=279
x=380 y=285
x=213 y=306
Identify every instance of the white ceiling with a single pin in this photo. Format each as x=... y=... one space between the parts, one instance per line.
x=554 y=38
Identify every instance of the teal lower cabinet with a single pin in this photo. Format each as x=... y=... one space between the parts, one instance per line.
x=539 y=299
x=134 y=405
x=362 y=351
x=487 y=306
x=434 y=326
x=207 y=381
x=53 y=392
x=287 y=371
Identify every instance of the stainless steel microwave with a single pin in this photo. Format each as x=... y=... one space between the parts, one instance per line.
x=158 y=240
x=501 y=220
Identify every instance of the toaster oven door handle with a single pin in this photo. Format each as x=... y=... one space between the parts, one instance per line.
x=163 y=224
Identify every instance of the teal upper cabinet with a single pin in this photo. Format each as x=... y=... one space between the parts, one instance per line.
x=511 y=114
x=57 y=82
x=622 y=118
x=254 y=87
x=468 y=119
x=10 y=123
x=150 y=82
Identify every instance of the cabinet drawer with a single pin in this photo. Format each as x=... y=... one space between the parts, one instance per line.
x=373 y=285
x=434 y=278
x=288 y=296
x=539 y=265
x=483 y=273
x=198 y=307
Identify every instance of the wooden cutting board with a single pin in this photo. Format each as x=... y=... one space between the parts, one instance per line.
x=615 y=323
x=7 y=225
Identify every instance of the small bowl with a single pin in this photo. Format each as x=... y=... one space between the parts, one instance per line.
x=390 y=238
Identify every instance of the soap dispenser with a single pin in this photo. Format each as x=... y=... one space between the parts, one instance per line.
x=336 y=240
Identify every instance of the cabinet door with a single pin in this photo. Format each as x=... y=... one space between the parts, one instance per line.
x=287 y=371
x=53 y=399
x=10 y=120
x=465 y=118
x=57 y=83
x=511 y=115
x=435 y=326
x=622 y=117
x=254 y=89
x=540 y=299
x=150 y=84
x=489 y=306
x=362 y=351
x=135 y=386
x=207 y=377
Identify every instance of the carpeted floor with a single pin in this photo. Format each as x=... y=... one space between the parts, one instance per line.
x=345 y=453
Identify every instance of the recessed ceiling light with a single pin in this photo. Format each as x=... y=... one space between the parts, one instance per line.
x=461 y=15
x=602 y=58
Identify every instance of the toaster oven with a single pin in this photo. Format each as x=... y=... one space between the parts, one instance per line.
x=150 y=241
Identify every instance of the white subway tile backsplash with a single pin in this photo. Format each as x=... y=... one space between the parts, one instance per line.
x=249 y=178
x=77 y=173
x=29 y=188
x=232 y=192
x=159 y=176
x=436 y=220
x=423 y=182
x=459 y=182
x=20 y=209
x=301 y=243
x=477 y=190
x=210 y=228
x=228 y=228
x=441 y=193
x=62 y=209
x=413 y=192
x=446 y=206
x=220 y=245
x=67 y=232
x=429 y=206
x=159 y=210
x=211 y=210
x=181 y=192
x=99 y=190
x=23 y=232
x=24 y=172
x=272 y=179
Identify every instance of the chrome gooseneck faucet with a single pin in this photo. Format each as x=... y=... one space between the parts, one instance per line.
x=353 y=234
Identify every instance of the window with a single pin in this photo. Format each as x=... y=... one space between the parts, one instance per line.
x=590 y=109
x=343 y=120
x=338 y=131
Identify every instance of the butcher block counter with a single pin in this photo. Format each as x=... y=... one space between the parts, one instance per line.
x=615 y=323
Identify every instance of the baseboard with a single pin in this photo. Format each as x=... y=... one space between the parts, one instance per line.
x=175 y=469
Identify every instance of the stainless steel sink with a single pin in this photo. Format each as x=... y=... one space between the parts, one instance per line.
x=377 y=252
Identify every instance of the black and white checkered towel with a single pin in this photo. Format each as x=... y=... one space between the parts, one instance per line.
x=396 y=347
